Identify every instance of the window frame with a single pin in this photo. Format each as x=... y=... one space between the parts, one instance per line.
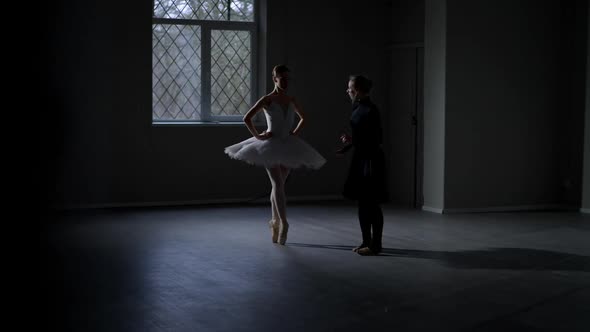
x=206 y=26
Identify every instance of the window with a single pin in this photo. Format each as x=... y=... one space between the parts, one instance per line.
x=203 y=67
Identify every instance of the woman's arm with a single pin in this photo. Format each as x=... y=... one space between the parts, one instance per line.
x=251 y=113
x=301 y=117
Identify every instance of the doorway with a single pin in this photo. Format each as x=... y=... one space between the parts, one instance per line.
x=405 y=123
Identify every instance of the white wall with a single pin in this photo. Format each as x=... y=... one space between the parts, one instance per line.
x=586 y=168
x=435 y=71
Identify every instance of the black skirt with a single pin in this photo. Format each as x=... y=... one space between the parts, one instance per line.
x=366 y=177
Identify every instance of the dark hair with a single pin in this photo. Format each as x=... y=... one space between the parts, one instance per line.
x=279 y=69
x=361 y=83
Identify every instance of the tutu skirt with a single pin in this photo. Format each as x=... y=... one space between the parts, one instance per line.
x=290 y=151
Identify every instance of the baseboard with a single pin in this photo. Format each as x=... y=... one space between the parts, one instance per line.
x=541 y=207
x=316 y=198
x=585 y=210
x=432 y=209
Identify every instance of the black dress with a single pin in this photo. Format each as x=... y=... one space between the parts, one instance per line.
x=366 y=176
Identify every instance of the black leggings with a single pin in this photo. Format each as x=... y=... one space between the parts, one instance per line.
x=370 y=215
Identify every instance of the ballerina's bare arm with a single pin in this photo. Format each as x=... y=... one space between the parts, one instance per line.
x=301 y=117
x=264 y=101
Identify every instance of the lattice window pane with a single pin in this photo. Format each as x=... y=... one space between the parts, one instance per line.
x=176 y=72
x=215 y=10
x=242 y=10
x=230 y=72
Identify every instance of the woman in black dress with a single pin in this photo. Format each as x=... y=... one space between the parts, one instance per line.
x=366 y=178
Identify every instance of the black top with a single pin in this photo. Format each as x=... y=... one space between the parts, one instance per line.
x=366 y=126
x=366 y=176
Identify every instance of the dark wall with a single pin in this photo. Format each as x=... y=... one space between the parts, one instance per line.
x=407 y=46
x=513 y=77
x=514 y=106
x=103 y=148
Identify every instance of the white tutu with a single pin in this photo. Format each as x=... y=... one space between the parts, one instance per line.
x=281 y=149
x=292 y=152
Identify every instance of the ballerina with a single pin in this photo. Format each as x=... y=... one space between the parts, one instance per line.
x=278 y=149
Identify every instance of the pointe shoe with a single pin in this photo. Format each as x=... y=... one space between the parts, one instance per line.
x=274 y=230
x=283 y=233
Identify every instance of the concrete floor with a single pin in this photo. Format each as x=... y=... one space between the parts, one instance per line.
x=215 y=269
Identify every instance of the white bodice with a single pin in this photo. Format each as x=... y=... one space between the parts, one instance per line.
x=279 y=120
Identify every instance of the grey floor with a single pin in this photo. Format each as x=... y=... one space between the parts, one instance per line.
x=215 y=269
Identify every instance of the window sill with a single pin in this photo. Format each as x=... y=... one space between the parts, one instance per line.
x=199 y=124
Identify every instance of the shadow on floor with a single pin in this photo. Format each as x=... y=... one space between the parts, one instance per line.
x=492 y=258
